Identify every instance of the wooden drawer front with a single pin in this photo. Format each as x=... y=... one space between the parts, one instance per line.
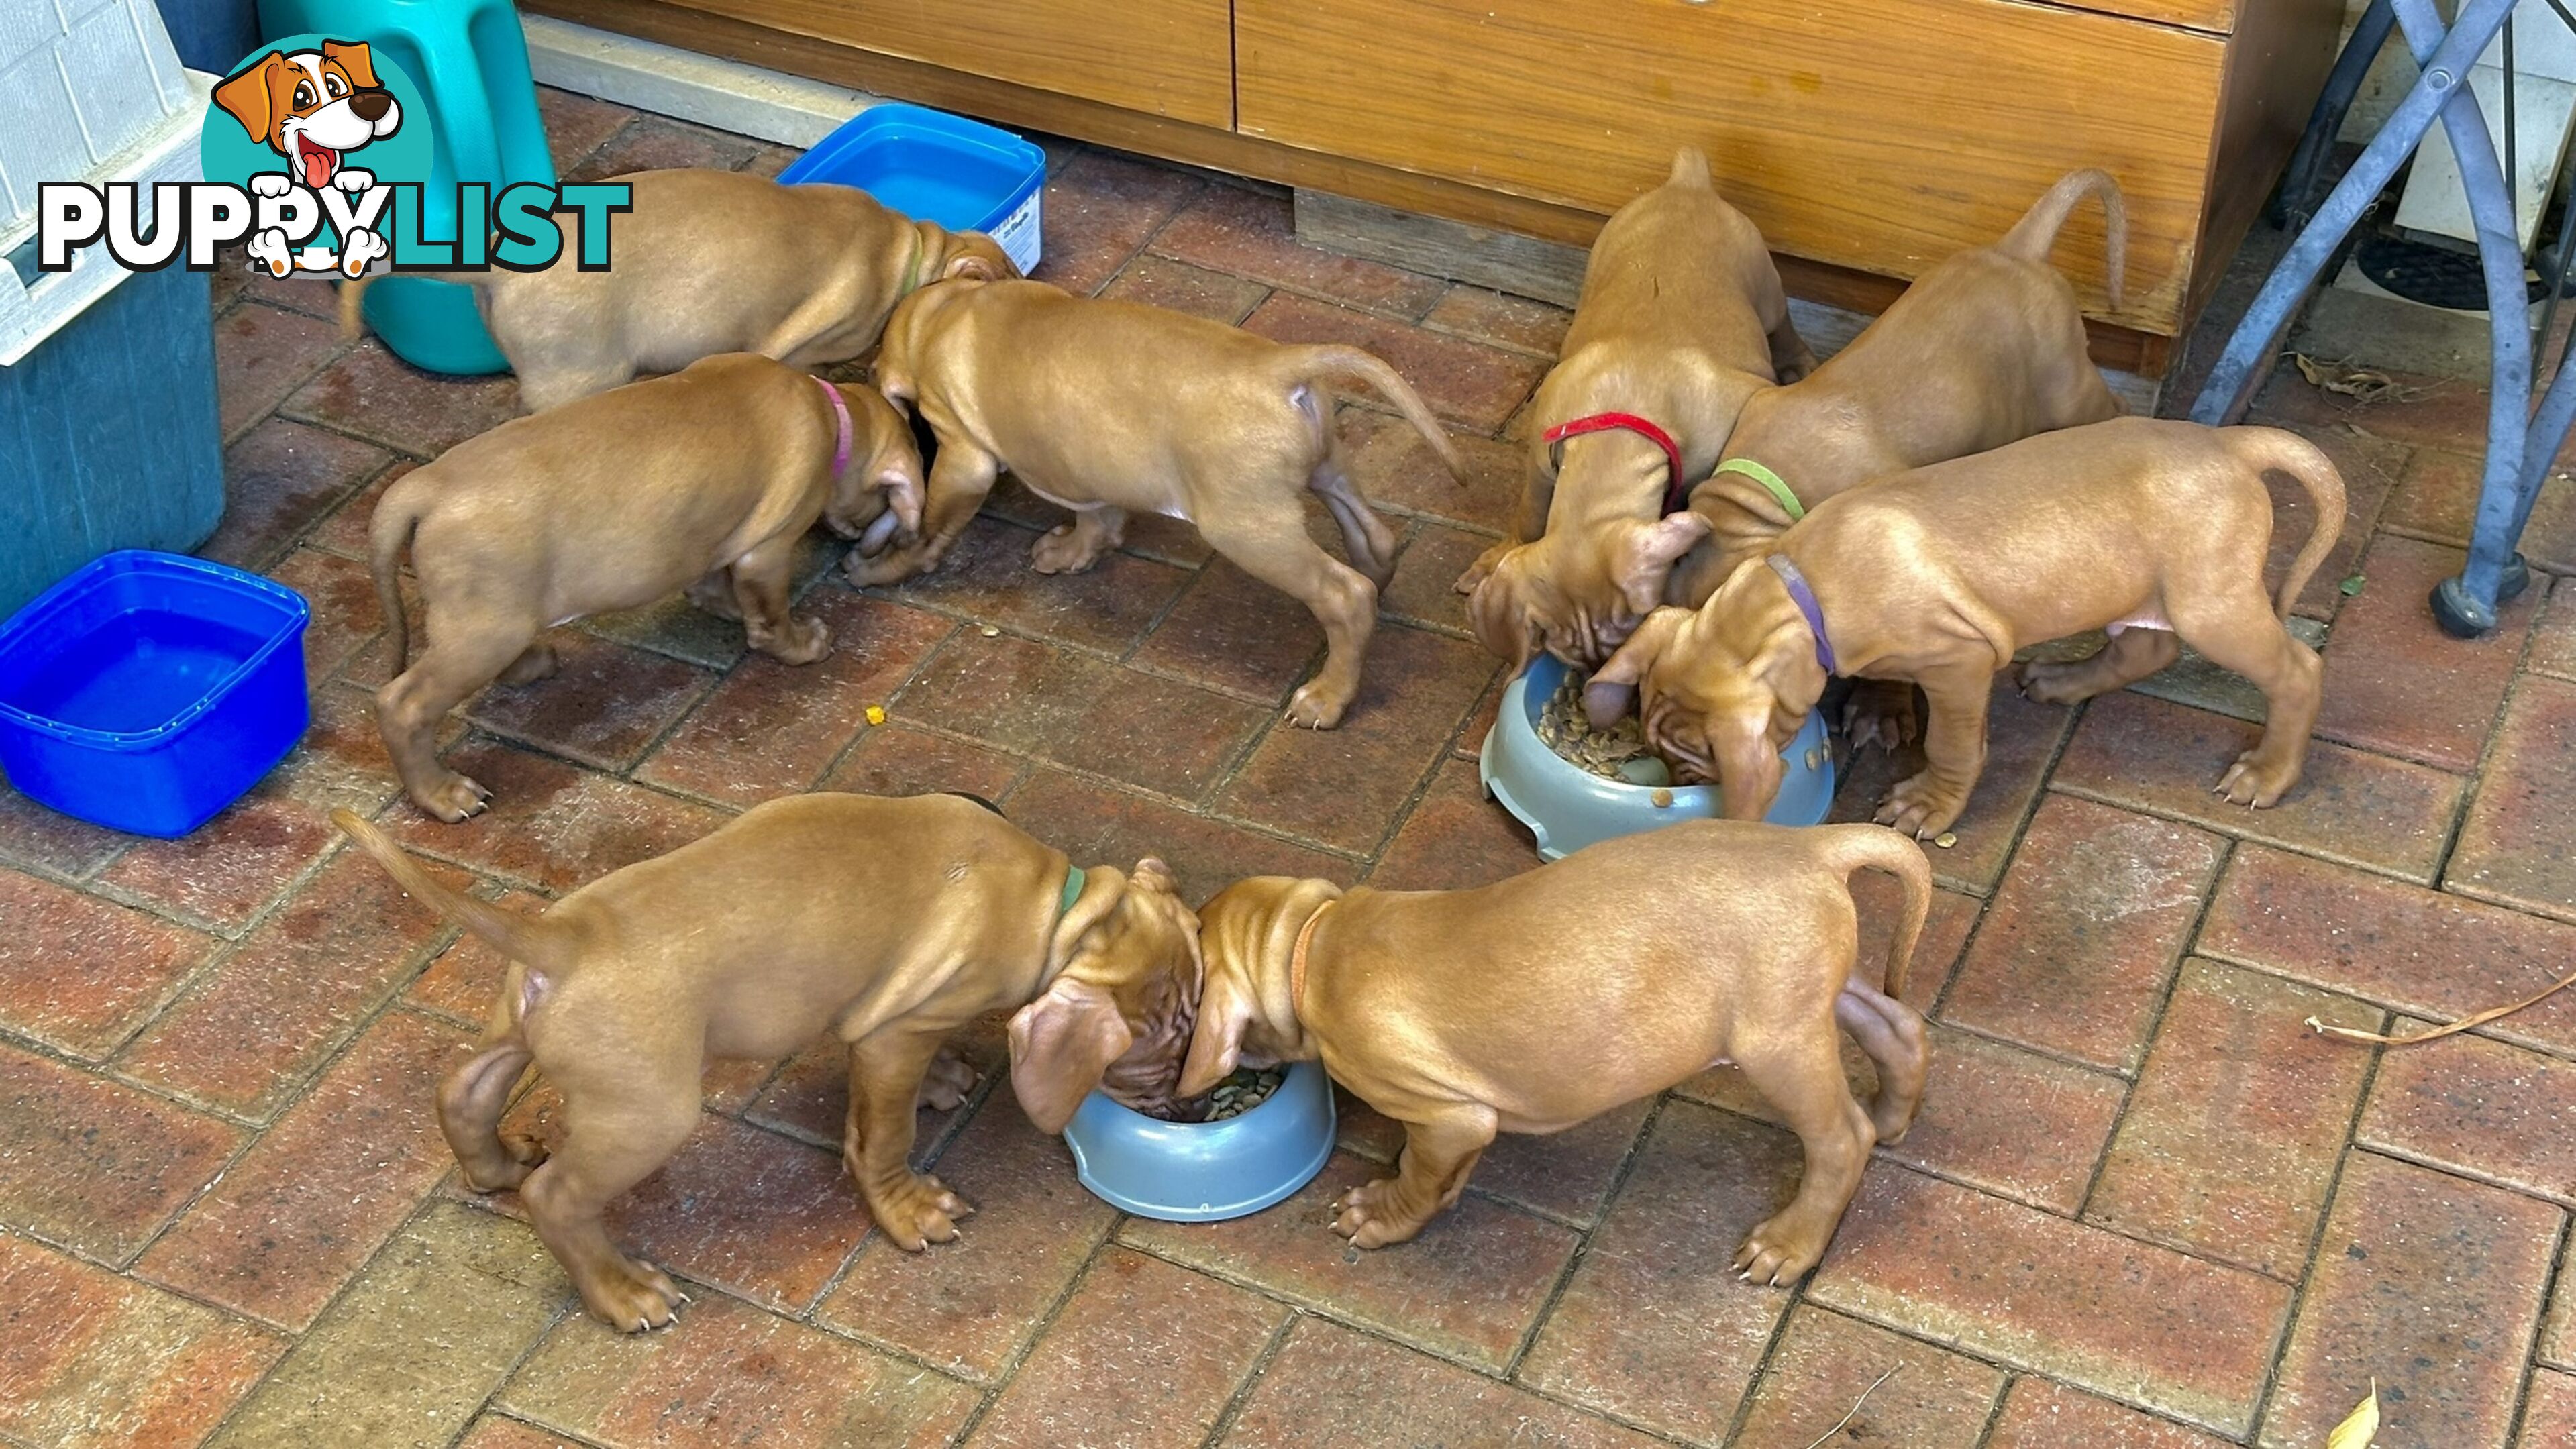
x=1170 y=58
x=1877 y=134
x=2218 y=16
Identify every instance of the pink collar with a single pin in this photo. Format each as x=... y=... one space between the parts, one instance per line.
x=1629 y=423
x=841 y=411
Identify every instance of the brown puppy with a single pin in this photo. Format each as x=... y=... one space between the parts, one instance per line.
x=709 y=262
x=1984 y=349
x=1108 y=408
x=2149 y=528
x=885 y=923
x=1680 y=320
x=1534 y=1003
x=704 y=480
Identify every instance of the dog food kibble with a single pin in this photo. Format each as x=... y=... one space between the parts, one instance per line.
x=1946 y=839
x=1663 y=799
x=990 y=632
x=876 y=714
x=1608 y=753
x=1232 y=1097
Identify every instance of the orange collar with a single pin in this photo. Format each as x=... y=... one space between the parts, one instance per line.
x=1297 y=960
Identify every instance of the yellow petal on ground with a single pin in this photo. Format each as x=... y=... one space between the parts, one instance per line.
x=2357 y=1431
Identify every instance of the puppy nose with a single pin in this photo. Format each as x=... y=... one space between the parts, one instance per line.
x=370 y=105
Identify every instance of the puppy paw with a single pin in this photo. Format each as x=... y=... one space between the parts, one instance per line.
x=271 y=183
x=917 y=1211
x=359 y=248
x=2063 y=682
x=1882 y=713
x=1780 y=1251
x=535 y=663
x=1482 y=568
x=945 y=1086
x=891 y=567
x=802 y=642
x=1316 y=707
x=1366 y=1216
x=521 y=1156
x=269 y=249
x=1061 y=553
x=453 y=799
x=632 y=1297
x=1920 y=806
x=2252 y=781
x=353 y=180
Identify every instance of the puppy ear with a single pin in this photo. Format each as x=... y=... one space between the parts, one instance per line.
x=1060 y=1044
x=250 y=98
x=969 y=267
x=1495 y=613
x=1644 y=555
x=1216 y=1045
x=1612 y=691
x=1748 y=769
x=356 y=60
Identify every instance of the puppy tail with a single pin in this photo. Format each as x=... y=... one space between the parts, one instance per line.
x=388 y=533
x=1852 y=847
x=2032 y=237
x=2273 y=450
x=1339 y=361
x=528 y=940
x=1690 y=168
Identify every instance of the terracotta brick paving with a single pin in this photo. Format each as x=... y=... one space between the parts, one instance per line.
x=2143 y=1207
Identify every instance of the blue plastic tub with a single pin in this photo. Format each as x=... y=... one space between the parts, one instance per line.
x=932 y=166
x=1205 y=1172
x=1568 y=807
x=148 y=691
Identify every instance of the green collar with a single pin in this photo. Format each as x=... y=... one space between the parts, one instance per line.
x=1072 y=890
x=1770 y=482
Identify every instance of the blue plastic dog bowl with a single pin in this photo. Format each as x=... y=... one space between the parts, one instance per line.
x=148 y=691
x=932 y=166
x=1204 y=1172
x=1568 y=807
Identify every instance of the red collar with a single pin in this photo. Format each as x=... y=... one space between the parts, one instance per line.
x=1631 y=423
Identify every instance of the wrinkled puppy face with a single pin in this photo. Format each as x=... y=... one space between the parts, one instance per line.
x=1579 y=598
x=1119 y=1013
x=1716 y=710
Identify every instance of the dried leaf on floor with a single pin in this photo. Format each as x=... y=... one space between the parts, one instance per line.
x=2361 y=384
x=2357 y=1431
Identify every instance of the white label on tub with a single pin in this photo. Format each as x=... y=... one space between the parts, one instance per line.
x=1019 y=233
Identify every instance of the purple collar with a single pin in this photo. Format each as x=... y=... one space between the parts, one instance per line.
x=1805 y=598
x=840 y=410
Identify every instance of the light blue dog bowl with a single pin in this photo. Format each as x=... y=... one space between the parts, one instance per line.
x=1568 y=807
x=1204 y=1172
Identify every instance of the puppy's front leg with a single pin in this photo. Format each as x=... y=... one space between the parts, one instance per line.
x=913 y=1209
x=959 y=481
x=1439 y=1151
x=1954 y=746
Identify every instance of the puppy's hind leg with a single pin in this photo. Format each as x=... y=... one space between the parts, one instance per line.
x=621 y=1124
x=960 y=479
x=1269 y=542
x=2240 y=632
x=1365 y=536
x=466 y=654
x=1801 y=1074
x=761 y=580
x=713 y=594
x=535 y=662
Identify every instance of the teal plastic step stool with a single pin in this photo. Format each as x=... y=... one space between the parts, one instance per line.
x=471 y=61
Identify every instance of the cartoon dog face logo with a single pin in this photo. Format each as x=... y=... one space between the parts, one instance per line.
x=313 y=107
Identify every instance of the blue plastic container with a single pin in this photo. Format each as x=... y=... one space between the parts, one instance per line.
x=1568 y=807
x=1204 y=1172
x=932 y=166
x=148 y=691
x=472 y=59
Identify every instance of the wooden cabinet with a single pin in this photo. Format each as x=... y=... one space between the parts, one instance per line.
x=1169 y=58
x=1868 y=138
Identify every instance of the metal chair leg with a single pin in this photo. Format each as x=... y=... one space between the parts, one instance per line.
x=2292 y=207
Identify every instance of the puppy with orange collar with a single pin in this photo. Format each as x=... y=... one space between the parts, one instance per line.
x=1681 y=319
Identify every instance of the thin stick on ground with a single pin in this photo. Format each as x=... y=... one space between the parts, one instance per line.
x=1855 y=1408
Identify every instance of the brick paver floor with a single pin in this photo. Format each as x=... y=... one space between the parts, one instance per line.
x=2143 y=1207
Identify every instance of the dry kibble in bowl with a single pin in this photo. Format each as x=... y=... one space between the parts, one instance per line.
x=1617 y=753
x=1233 y=1097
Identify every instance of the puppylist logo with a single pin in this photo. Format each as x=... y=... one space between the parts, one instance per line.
x=318 y=159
